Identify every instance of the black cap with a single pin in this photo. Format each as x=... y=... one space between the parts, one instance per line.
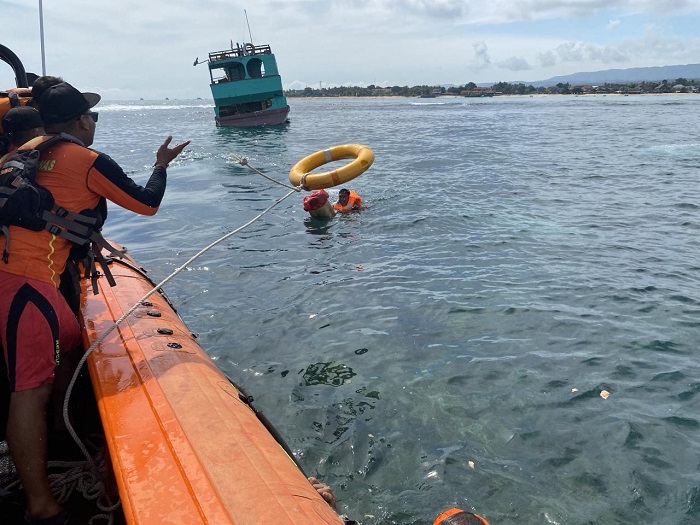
x=63 y=103
x=21 y=118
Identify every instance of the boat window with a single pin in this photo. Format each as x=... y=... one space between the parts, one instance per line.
x=236 y=72
x=255 y=67
x=246 y=107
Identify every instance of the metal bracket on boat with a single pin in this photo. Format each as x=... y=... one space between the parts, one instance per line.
x=248 y=399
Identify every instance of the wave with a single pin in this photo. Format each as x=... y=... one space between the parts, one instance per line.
x=687 y=151
x=436 y=104
x=154 y=105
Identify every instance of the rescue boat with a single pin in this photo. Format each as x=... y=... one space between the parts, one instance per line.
x=184 y=445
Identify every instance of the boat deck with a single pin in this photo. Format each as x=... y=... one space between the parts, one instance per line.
x=240 y=51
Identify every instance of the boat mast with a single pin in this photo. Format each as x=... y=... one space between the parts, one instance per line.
x=248 y=24
x=41 y=33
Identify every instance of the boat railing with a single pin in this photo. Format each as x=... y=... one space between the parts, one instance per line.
x=239 y=51
x=8 y=56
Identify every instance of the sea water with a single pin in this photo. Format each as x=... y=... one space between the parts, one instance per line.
x=510 y=326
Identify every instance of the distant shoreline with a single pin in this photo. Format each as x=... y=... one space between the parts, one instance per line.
x=533 y=95
x=208 y=100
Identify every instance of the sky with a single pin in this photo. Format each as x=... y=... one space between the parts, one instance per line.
x=128 y=49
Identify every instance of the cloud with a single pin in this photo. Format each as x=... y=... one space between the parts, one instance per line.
x=515 y=64
x=571 y=51
x=423 y=13
x=508 y=11
x=481 y=56
x=653 y=7
x=613 y=25
x=608 y=55
x=651 y=48
x=415 y=9
x=582 y=52
x=657 y=46
x=547 y=59
x=141 y=49
x=440 y=9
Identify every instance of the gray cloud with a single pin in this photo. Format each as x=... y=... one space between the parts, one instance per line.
x=141 y=49
x=431 y=9
x=504 y=11
x=440 y=9
x=481 y=59
x=652 y=47
x=514 y=64
x=547 y=59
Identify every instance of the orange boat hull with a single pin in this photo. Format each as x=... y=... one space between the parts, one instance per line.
x=184 y=448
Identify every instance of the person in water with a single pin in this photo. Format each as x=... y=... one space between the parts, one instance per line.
x=327 y=494
x=318 y=206
x=348 y=201
x=456 y=516
x=36 y=322
x=324 y=491
x=453 y=516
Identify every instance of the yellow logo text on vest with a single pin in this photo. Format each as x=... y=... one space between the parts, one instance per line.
x=46 y=165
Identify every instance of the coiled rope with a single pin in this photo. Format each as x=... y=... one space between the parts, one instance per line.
x=82 y=477
x=86 y=477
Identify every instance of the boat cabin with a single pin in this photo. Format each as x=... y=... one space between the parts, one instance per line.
x=242 y=62
x=246 y=86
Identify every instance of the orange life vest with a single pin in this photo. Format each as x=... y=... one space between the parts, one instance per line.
x=68 y=171
x=354 y=202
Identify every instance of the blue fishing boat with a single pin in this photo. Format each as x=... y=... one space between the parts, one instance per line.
x=246 y=87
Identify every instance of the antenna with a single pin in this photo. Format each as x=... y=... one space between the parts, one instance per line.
x=41 y=32
x=248 y=24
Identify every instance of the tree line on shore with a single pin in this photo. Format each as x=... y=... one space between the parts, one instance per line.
x=679 y=85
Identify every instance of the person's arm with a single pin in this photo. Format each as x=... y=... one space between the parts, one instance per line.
x=107 y=178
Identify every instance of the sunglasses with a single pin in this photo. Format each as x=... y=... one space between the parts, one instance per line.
x=93 y=115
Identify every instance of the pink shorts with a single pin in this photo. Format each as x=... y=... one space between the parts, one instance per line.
x=37 y=325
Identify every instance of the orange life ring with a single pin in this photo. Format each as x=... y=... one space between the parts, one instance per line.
x=300 y=174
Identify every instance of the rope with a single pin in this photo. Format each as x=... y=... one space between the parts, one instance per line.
x=244 y=162
x=83 y=477
x=91 y=469
x=87 y=479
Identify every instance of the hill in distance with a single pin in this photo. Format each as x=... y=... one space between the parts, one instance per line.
x=622 y=76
